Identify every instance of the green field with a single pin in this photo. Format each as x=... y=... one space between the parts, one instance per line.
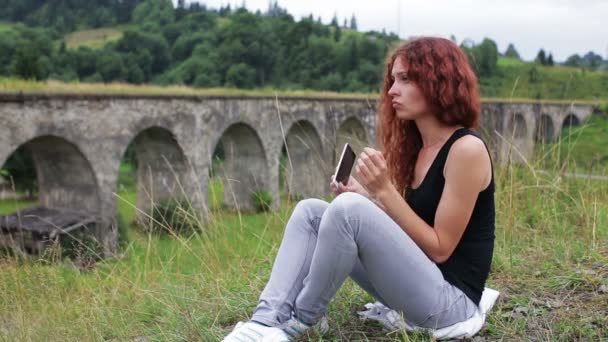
x=95 y=39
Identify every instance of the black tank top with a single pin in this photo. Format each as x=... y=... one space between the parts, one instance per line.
x=469 y=265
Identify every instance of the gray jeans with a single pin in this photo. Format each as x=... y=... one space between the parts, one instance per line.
x=325 y=243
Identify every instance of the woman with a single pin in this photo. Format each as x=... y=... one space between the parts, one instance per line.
x=416 y=230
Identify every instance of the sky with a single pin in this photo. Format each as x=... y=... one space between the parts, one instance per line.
x=560 y=27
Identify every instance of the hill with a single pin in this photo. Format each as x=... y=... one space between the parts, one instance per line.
x=153 y=42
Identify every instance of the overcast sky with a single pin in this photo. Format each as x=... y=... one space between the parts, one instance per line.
x=562 y=27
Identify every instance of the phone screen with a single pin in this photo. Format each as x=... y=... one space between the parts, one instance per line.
x=345 y=165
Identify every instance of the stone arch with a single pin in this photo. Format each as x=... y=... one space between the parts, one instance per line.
x=571 y=120
x=520 y=146
x=65 y=176
x=245 y=168
x=518 y=129
x=545 y=129
x=352 y=131
x=306 y=169
x=161 y=168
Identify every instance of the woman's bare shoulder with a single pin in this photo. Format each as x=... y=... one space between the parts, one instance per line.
x=469 y=155
x=469 y=146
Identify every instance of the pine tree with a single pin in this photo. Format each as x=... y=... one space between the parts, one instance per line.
x=550 y=60
x=541 y=57
x=511 y=52
x=334 y=20
x=353 y=22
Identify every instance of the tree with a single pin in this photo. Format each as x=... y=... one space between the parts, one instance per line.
x=334 y=20
x=110 y=66
x=27 y=64
x=150 y=44
x=591 y=60
x=180 y=11
x=483 y=57
x=331 y=82
x=9 y=41
x=353 y=22
x=158 y=12
x=574 y=61
x=511 y=52
x=541 y=57
x=550 y=60
x=274 y=10
x=240 y=75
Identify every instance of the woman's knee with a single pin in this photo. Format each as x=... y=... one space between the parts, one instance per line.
x=310 y=208
x=350 y=204
x=348 y=207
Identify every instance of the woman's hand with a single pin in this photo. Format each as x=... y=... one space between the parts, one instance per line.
x=373 y=173
x=351 y=186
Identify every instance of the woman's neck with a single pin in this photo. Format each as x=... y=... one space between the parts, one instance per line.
x=433 y=132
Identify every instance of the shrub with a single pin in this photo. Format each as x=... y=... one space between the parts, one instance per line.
x=262 y=200
x=173 y=217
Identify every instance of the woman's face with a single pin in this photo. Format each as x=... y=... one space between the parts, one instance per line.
x=408 y=101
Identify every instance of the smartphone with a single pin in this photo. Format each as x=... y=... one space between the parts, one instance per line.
x=345 y=165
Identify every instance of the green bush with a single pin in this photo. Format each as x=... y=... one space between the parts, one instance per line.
x=173 y=217
x=262 y=200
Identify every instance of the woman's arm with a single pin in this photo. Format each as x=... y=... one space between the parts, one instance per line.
x=467 y=172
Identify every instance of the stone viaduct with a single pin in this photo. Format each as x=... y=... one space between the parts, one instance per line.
x=77 y=143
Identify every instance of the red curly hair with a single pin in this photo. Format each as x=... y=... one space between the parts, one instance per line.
x=449 y=85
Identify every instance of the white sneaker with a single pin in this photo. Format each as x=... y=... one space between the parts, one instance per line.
x=254 y=332
x=248 y=332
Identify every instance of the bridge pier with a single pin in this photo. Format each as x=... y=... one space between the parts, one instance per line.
x=163 y=172
x=305 y=171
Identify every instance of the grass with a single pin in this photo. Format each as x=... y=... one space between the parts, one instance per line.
x=550 y=264
x=509 y=62
x=95 y=39
x=11 y=205
x=13 y=85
